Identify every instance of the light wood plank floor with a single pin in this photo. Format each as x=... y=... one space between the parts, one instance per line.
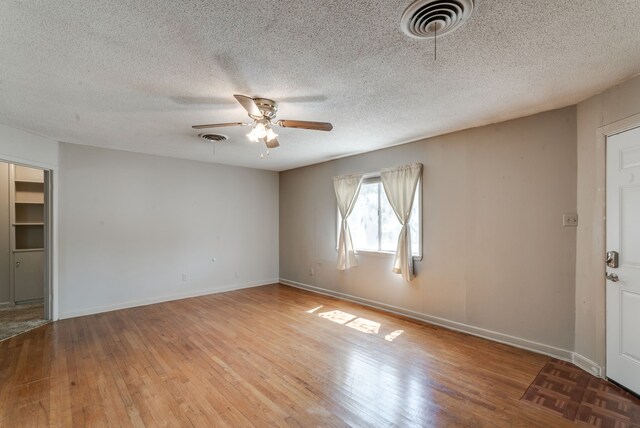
x=262 y=357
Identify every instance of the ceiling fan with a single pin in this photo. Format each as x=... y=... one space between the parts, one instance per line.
x=263 y=112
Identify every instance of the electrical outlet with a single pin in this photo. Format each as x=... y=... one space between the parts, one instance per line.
x=570 y=220
x=312 y=271
x=236 y=275
x=184 y=276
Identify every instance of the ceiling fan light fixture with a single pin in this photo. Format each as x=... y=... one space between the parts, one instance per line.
x=252 y=135
x=270 y=134
x=257 y=132
x=260 y=130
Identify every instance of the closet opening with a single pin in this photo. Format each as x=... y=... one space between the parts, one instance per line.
x=25 y=214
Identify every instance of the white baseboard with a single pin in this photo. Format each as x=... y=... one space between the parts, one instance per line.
x=166 y=298
x=587 y=365
x=518 y=342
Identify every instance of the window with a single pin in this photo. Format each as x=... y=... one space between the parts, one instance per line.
x=373 y=224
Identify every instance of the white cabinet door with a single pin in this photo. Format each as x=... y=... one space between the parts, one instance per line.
x=623 y=236
x=29 y=275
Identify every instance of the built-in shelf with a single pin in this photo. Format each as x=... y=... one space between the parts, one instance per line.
x=27 y=213
x=23 y=173
x=29 y=181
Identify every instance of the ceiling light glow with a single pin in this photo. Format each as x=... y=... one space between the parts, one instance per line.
x=270 y=134
x=259 y=131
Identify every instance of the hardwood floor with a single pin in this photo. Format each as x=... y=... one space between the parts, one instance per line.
x=262 y=357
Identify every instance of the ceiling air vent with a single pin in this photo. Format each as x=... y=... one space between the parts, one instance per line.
x=426 y=19
x=213 y=137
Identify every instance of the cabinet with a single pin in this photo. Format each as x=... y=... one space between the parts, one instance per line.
x=29 y=275
x=27 y=232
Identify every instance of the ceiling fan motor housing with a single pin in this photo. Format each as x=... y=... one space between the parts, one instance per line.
x=267 y=107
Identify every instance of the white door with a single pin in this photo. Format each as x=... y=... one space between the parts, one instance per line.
x=623 y=237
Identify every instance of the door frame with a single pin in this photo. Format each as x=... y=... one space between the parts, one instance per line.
x=50 y=238
x=602 y=134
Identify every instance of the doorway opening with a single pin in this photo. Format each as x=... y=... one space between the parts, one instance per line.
x=25 y=292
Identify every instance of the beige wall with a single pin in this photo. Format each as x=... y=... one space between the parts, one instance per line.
x=615 y=104
x=132 y=224
x=5 y=246
x=496 y=256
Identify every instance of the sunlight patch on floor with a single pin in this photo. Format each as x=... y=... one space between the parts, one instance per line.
x=364 y=325
x=310 y=311
x=337 y=316
x=391 y=336
x=355 y=322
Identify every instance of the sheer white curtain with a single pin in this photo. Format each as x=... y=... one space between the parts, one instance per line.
x=400 y=186
x=347 y=188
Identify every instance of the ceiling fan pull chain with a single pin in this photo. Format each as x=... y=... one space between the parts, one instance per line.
x=435 y=45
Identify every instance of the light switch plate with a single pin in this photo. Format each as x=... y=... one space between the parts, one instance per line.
x=570 y=220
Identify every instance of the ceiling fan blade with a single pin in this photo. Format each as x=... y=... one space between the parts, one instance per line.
x=220 y=125
x=271 y=144
x=249 y=105
x=316 y=126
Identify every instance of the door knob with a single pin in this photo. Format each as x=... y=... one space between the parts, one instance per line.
x=612 y=277
x=17 y=264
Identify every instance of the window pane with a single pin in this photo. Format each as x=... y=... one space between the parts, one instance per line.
x=363 y=221
x=414 y=224
x=391 y=225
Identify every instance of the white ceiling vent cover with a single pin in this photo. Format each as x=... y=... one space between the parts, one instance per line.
x=423 y=19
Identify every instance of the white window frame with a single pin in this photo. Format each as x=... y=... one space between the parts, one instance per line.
x=375 y=178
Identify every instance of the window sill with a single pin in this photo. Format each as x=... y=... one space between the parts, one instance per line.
x=385 y=254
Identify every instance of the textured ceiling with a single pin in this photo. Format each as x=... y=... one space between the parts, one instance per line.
x=135 y=75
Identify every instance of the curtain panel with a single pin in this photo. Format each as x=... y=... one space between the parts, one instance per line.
x=347 y=188
x=400 y=186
